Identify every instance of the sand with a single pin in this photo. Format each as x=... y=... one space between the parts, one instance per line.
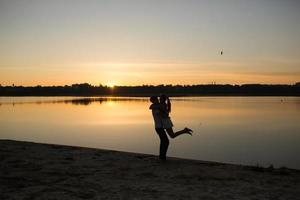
x=45 y=171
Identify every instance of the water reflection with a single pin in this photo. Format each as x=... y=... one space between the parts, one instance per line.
x=90 y=100
x=75 y=101
x=244 y=130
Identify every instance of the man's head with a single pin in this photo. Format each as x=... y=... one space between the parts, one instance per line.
x=154 y=99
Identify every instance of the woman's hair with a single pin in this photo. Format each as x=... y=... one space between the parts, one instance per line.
x=163 y=98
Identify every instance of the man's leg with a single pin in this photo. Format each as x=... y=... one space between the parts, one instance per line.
x=164 y=143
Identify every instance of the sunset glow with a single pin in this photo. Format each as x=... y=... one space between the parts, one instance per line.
x=135 y=42
x=111 y=84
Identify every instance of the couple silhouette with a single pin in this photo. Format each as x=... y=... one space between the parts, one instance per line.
x=161 y=108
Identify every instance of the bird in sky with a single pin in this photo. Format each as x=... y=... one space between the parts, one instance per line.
x=221 y=52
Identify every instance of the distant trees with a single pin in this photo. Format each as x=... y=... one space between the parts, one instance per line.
x=81 y=85
x=85 y=89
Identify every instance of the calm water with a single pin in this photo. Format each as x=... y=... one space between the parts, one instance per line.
x=243 y=130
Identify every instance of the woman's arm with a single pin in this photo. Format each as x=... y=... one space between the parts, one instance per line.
x=169 y=104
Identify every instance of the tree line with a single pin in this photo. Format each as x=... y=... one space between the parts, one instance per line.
x=85 y=89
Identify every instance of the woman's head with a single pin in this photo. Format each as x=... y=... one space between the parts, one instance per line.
x=154 y=99
x=163 y=98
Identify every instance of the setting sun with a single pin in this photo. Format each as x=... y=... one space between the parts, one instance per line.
x=111 y=84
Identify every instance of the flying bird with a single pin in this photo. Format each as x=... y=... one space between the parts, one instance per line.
x=221 y=52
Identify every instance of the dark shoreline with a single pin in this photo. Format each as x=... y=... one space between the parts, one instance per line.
x=86 y=89
x=41 y=171
x=149 y=95
x=266 y=169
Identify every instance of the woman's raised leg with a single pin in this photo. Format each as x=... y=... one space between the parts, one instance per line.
x=173 y=134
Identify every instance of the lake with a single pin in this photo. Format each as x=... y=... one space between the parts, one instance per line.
x=241 y=130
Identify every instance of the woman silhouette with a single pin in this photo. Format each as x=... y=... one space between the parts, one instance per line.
x=165 y=109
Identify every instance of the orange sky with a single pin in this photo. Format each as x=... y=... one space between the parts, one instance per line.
x=133 y=42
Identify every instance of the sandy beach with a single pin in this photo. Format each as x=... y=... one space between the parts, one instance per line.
x=45 y=171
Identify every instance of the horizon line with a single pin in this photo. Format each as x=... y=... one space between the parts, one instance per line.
x=155 y=85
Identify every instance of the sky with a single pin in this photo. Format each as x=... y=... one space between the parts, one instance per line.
x=135 y=42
